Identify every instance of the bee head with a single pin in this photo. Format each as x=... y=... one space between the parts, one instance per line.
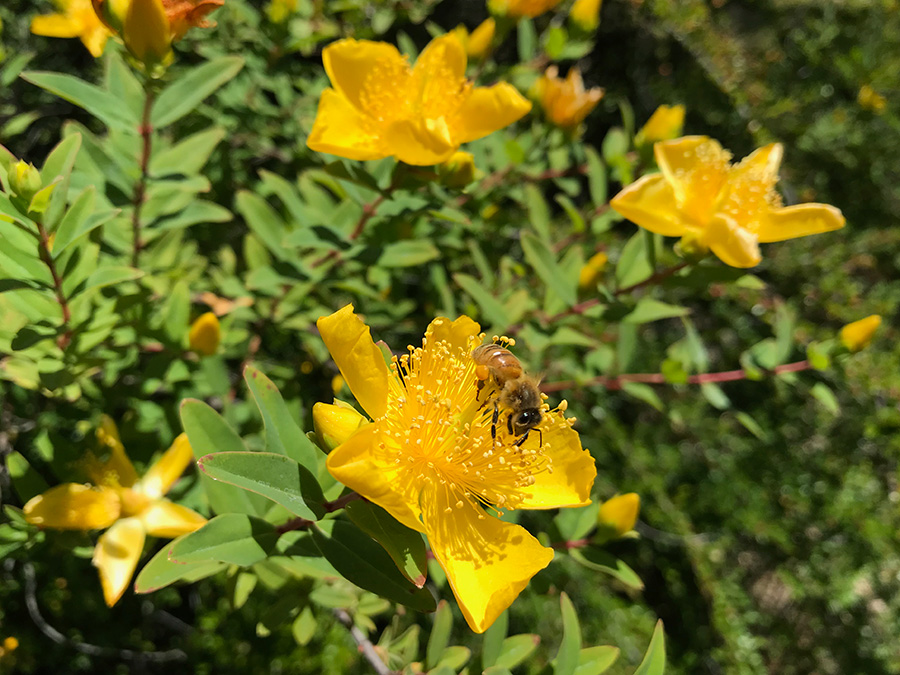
x=526 y=420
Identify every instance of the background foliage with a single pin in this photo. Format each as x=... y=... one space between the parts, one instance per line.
x=770 y=507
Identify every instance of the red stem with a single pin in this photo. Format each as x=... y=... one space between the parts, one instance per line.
x=44 y=254
x=140 y=188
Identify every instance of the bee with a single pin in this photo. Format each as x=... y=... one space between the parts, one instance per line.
x=518 y=392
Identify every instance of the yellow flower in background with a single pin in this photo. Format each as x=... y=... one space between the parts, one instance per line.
x=126 y=507
x=592 y=271
x=478 y=43
x=666 y=123
x=205 y=334
x=149 y=27
x=76 y=18
x=617 y=516
x=429 y=459
x=280 y=10
x=858 y=335
x=727 y=208
x=870 y=99
x=519 y=8
x=379 y=106
x=566 y=102
x=586 y=14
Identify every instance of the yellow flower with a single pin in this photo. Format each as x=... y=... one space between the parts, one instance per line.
x=280 y=10
x=664 y=124
x=858 y=335
x=565 y=102
x=727 y=208
x=334 y=424
x=618 y=515
x=593 y=269
x=149 y=27
x=428 y=458
x=10 y=644
x=76 y=18
x=586 y=14
x=870 y=99
x=381 y=107
x=519 y=8
x=118 y=502
x=205 y=334
x=478 y=43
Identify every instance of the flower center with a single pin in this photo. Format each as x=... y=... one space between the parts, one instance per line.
x=439 y=429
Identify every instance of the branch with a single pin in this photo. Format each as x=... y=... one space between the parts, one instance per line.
x=140 y=188
x=85 y=648
x=655 y=278
x=363 y=644
x=615 y=382
x=44 y=254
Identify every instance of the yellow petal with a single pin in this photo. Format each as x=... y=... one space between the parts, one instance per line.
x=116 y=557
x=95 y=40
x=361 y=362
x=205 y=334
x=335 y=424
x=480 y=41
x=356 y=464
x=420 y=142
x=488 y=562
x=486 y=110
x=620 y=513
x=800 y=220
x=650 y=203
x=733 y=244
x=166 y=519
x=55 y=25
x=573 y=473
x=340 y=129
x=167 y=469
x=146 y=31
x=444 y=57
x=353 y=66
x=117 y=469
x=765 y=161
x=71 y=506
x=858 y=335
x=458 y=334
x=697 y=169
x=666 y=122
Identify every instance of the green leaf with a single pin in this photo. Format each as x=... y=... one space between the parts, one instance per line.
x=188 y=156
x=644 y=392
x=454 y=658
x=275 y=477
x=541 y=258
x=648 y=309
x=752 y=426
x=538 y=212
x=161 y=572
x=405 y=546
x=596 y=660
x=576 y=523
x=96 y=101
x=363 y=562
x=819 y=356
x=493 y=639
x=599 y=560
x=823 y=394
x=304 y=626
x=634 y=265
x=516 y=649
x=654 y=662
x=26 y=480
x=440 y=635
x=597 y=179
x=107 y=276
x=493 y=312
x=263 y=221
x=58 y=168
x=209 y=433
x=187 y=92
x=716 y=397
x=283 y=436
x=567 y=657
x=408 y=253
x=79 y=220
x=176 y=313
x=526 y=40
x=233 y=538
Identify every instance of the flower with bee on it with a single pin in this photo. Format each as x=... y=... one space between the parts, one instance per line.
x=429 y=458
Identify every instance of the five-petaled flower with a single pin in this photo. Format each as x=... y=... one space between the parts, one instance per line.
x=566 y=102
x=429 y=458
x=379 y=106
x=715 y=205
x=76 y=18
x=129 y=507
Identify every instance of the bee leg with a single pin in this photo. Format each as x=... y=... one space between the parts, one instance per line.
x=523 y=438
x=494 y=421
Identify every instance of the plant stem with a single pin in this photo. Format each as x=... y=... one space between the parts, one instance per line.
x=615 y=382
x=44 y=254
x=654 y=278
x=140 y=188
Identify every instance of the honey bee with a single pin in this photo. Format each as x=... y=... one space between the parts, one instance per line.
x=518 y=392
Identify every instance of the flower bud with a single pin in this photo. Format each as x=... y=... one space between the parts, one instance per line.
x=458 y=171
x=858 y=335
x=617 y=516
x=591 y=272
x=585 y=14
x=25 y=180
x=664 y=124
x=205 y=334
x=566 y=102
x=334 y=424
x=691 y=247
